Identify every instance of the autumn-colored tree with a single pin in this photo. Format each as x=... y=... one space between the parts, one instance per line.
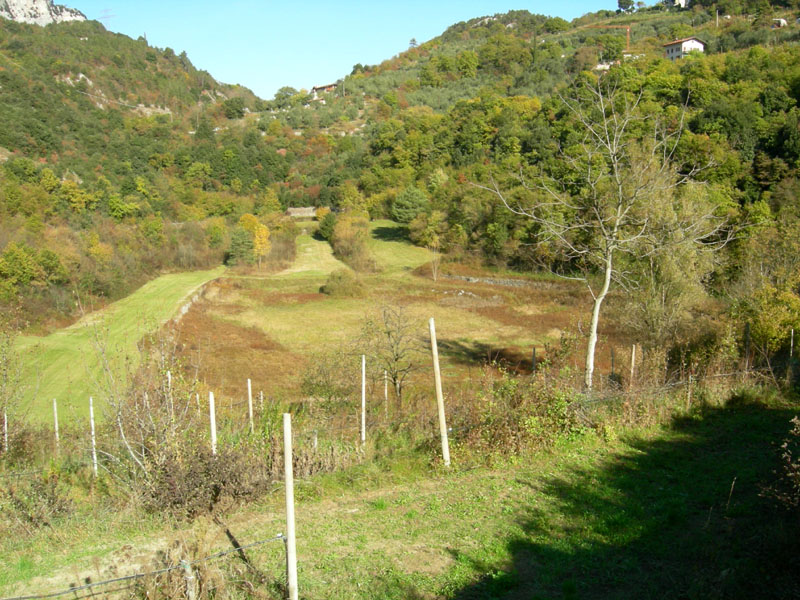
x=261 y=243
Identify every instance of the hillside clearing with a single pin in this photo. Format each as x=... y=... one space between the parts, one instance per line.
x=66 y=364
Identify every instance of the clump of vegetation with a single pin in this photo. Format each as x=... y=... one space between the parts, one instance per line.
x=786 y=490
x=349 y=241
x=344 y=283
x=34 y=502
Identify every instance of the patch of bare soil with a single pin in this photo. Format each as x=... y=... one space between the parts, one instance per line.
x=224 y=354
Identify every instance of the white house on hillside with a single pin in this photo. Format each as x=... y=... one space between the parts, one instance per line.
x=680 y=48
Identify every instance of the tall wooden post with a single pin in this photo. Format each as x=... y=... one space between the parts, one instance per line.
x=791 y=345
x=55 y=422
x=363 y=399
x=291 y=542
x=386 y=395
x=437 y=378
x=633 y=362
x=533 y=360
x=5 y=431
x=94 y=440
x=212 y=417
x=250 y=405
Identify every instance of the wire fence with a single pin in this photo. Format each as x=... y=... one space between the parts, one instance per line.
x=319 y=430
x=182 y=566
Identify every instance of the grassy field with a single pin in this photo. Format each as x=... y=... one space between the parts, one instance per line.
x=268 y=329
x=671 y=512
x=66 y=364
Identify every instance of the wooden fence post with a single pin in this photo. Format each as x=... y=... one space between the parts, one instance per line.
x=212 y=417
x=437 y=378
x=791 y=345
x=291 y=542
x=94 y=440
x=386 y=395
x=169 y=397
x=633 y=363
x=5 y=431
x=533 y=360
x=191 y=580
x=55 y=422
x=363 y=399
x=689 y=393
x=250 y=405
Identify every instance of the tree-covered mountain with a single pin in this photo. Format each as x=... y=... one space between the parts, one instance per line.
x=123 y=159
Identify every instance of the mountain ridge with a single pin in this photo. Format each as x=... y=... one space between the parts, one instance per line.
x=38 y=12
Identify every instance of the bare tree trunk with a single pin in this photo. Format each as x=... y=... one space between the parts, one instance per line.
x=598 y=301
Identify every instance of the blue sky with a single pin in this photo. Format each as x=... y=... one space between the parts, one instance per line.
x=266 y=44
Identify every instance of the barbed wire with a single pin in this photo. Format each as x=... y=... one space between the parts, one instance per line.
x=137 y=576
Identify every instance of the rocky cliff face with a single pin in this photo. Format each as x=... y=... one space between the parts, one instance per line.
x=38 y=12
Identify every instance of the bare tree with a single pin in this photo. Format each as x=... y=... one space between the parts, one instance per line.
x=392 y=342
x=616 y=195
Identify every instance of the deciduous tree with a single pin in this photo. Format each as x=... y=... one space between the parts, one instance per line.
x=616 y=193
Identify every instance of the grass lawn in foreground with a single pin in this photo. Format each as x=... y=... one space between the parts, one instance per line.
x=671 y=512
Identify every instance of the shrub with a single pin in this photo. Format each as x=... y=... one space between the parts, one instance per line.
x=326 y=225
x=786 y=491
x=344 y=283
x=191 y=483
x=349 y=242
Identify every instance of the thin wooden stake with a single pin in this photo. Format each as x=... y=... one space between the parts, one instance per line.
x=791 y=345
x=250 y=406
x=94 y=440
x=55 y=422
x=212 y=417
x=689 y=393
x=5 y=431
x=437 y=377
x=169 y=396
x=533 y=360
x=261 y=401
x=363 y=399
x=385 y=394
x=291 y=542
x=633 y=362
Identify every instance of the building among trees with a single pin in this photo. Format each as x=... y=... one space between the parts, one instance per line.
x=681 y=48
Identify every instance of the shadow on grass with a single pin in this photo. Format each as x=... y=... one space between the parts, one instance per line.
x=475 y=353
x=678 y=517
x=397 y=233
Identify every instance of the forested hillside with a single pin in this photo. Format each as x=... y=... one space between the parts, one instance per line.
x=123 y=159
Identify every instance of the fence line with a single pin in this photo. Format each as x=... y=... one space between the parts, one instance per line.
x=137 y=576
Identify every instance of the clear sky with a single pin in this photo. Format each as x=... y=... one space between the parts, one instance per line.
x=267 y=44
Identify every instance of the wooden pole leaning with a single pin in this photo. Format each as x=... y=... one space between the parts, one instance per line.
x=291 y=541
x=437 y=377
